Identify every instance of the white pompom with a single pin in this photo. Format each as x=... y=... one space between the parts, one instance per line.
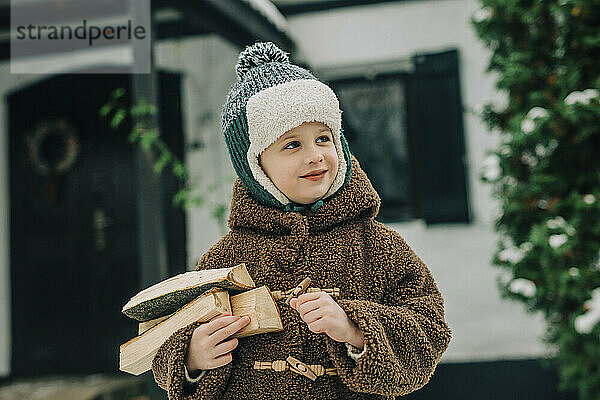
x=258 y=54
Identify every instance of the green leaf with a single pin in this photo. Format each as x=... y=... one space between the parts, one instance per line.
x=162 y=161
x=198 y=201
x=179 y=170
x=105 y=109
x=142 y=109
x=180 y=197
x=133 y=136
x=218 y=211
x=591 y=40
x=118 y=93
x=147 y=139
x=118 y=118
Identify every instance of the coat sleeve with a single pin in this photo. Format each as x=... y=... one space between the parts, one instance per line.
x=168 y=364
x=405 y=332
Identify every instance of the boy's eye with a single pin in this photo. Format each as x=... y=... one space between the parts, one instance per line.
x=287 y=146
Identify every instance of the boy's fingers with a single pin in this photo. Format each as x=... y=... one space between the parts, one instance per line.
x=221 y=334
x=316 y=326
x=308 y=306
x=225 y=347
x=219 y=322
x=312 y=316
x=222 y=360
x=303 y=298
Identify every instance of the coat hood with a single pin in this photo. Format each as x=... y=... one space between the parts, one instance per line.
x=358 y=199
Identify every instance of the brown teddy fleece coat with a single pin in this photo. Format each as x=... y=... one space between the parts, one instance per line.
x=385 y=289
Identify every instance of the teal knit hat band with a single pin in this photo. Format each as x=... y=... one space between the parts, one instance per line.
x=270 y=98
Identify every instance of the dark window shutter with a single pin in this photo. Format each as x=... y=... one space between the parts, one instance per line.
x=436 y=125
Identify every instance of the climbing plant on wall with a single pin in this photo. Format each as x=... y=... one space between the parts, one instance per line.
x=190 y=194
x=546 y=172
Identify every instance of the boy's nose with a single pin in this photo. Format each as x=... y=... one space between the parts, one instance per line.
x=314 y=155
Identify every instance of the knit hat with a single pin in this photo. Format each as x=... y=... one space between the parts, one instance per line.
x=270 y=97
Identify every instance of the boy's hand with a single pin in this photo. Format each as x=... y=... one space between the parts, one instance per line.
x=324 y=315
x=208 y=348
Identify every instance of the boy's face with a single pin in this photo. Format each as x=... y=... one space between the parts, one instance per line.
x=297 y=153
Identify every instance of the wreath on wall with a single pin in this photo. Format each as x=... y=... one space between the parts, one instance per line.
x=53 y=147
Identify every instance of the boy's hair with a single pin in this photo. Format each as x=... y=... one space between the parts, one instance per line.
x=270 y=97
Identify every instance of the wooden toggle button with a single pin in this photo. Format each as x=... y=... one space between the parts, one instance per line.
x=301 y=368
x=302 y=286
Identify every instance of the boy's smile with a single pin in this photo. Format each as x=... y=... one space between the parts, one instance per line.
x=302 y=163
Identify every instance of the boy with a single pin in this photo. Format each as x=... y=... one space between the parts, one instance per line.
x=303 y=207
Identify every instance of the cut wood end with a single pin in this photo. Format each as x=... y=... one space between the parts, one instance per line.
x=237 y=277
x=260 y=306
